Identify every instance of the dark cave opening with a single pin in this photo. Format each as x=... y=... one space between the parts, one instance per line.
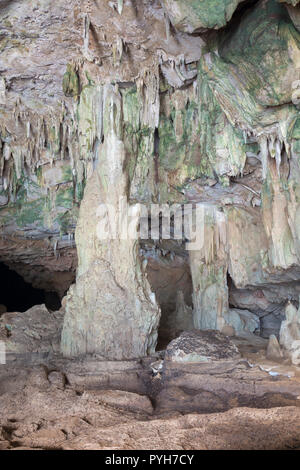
x=18 y=296
x=169 y=276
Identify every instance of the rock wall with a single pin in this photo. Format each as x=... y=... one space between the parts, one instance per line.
x=156 y=102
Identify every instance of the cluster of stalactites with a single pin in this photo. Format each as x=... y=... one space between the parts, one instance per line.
x=176 y=70
x=211 y=236
x=28 y=141
x=272 y=146
x=148 y=89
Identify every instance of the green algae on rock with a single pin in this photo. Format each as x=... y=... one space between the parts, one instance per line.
x=198 y=15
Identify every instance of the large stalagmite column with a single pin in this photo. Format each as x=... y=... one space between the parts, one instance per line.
x=110 y=310
x=209 y=272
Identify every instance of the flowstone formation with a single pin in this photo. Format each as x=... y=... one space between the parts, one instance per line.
x=152 y=102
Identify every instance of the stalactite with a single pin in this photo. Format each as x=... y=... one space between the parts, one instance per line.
x=120 y=6
x=86 y=38
x=86 y=33
x=271 y=147
x=167 y=26
x=264 y=155
x=2 y=91
x=118 y=52
x=149 y=88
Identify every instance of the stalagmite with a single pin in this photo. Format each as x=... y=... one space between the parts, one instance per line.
x=149 y=224
x=274 y=351
x=111 y=310
x=209 y=269
x=290 y=327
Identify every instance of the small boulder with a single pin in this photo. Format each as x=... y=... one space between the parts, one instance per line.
x=242 y=320
x=201 y=346
x=157 y=366
x=38 y=378
x=58 y=379
x=35 y=331
x=228 y=330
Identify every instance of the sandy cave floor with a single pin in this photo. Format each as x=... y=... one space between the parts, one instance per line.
x=54 y=403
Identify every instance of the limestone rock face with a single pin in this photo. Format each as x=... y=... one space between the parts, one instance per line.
x=243 y=320
x=290 y=333
x=165 y=102
x=34 y=331
x=201 y=346
x=198 y=15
